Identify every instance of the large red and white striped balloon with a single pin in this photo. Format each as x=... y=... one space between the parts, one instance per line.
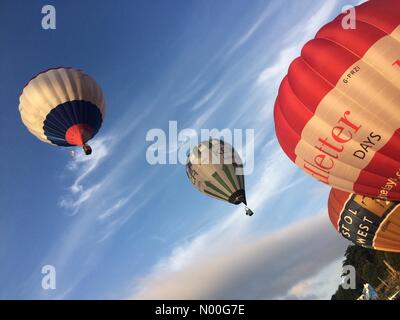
x=337 y=114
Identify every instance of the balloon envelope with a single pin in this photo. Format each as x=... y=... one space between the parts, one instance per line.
x=368 y=222
x=215 y=169
x=62 y=106
x=337 y=111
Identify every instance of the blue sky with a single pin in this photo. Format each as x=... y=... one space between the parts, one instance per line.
x=116 y=227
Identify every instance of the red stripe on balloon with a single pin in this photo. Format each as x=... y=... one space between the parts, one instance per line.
x=357 y=41
x=293 y=110
x=329 y=59
x=307 y=84
x=383 y=14
x=286 y=136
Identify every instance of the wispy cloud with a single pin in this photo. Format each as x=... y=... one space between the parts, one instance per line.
x=207 y=97
x=279 y=67
x=113 y=226
x=83 y=165
x=74 y=203
x=121 y=202
x=268 y=11
x=110 y=211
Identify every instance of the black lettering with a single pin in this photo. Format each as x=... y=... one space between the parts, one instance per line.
x=359 y=154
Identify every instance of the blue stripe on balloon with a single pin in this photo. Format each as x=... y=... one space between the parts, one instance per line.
x=70 y=113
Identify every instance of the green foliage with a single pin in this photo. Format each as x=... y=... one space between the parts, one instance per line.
x=369 y=266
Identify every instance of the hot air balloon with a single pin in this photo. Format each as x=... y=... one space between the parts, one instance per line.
x=368 y=222
x=63 y=106
x=215 y=168
x=337 y=111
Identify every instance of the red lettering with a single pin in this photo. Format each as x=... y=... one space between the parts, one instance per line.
x=326 y=161
x=337 y=134
x=347 y=122
x=319 y=160
x=323 y=178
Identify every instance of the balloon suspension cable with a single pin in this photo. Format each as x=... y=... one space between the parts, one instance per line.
x=249 y=212
x=87 y=149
